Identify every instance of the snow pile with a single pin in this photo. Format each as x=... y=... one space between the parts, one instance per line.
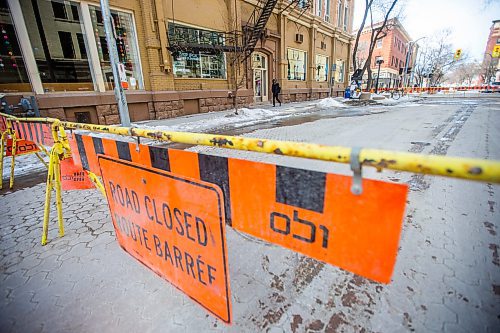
x=330 y=103
x=392 y=101
x=217 y=120
x=256 y=113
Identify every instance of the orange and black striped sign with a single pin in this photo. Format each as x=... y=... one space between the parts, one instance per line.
x=35 y=132
x=311 y=212
x=3 y=124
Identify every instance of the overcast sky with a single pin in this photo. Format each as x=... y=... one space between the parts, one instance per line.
x=468 y=20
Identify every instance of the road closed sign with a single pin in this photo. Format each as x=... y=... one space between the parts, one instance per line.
x=175 y=226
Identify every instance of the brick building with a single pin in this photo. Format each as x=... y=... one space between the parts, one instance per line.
x=56 y=49
x=392 y=49
x=491 y=64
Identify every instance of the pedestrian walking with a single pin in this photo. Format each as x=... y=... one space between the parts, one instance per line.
x=276 y=89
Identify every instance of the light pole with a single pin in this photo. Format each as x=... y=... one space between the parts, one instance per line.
x=380 y=61
x=408 y=57
x=113 y=58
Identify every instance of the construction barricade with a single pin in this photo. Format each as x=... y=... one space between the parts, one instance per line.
x=170 y=207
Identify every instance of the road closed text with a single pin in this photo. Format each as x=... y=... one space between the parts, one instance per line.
x=173 y=225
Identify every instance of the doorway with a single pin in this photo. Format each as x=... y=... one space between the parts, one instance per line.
x=260 y=77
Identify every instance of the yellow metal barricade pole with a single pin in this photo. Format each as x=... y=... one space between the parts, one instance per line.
x=2 y=148
x=42 y=160
x=464 y=168
x=54 y=181
x=13 y=164
x=48 y=194
x=95 y=179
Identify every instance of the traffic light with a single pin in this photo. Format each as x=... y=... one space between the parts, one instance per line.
x=401 y=69
x=496 y=51
x=458 y=54
x=408 y=70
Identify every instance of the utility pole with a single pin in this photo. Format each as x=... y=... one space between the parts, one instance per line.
x=379 y=62
x=413 y=43
x=408 y=52
x=113 y=57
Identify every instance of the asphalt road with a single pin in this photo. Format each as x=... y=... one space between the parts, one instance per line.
x=447 y=275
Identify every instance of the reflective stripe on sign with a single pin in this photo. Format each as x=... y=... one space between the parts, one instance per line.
x=35 y=132
x=174 y=225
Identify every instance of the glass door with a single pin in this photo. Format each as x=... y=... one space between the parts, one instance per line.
x=260 y=79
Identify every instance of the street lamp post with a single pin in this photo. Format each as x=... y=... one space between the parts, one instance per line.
x=379 y=62
x=120 y=97
x=408 y=57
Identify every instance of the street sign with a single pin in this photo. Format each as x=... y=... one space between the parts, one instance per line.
x=458 y=54
x=175 y=226
x=496 y=51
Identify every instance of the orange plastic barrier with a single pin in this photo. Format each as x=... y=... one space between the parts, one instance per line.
x=22 y=147
x=307 y=211
x=175 y=226
x=73 y=177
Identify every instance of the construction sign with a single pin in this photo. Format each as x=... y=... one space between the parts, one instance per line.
x=22 y=147
x=496 y=51
x=73 y=177
x=316 y=214
x=175 y=226
x=311 y=212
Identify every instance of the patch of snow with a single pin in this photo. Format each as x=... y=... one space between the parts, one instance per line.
x=391 y=101
x=330 y=103
x=245 y=117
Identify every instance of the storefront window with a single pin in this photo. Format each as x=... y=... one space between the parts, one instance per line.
x=54 y=28
x=321 y=68
x=297 y=61
x=200 y=59
x=128 y=55
x=13 y=76
x=339 y=74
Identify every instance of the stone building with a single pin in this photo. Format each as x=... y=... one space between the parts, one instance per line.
x=392 y=49
x=177 y=56
x=491 y=64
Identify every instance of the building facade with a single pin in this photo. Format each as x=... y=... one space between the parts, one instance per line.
x=491 y=64
x=57 y=50
x=393 y=49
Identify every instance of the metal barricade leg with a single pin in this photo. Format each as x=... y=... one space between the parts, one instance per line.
x=2 y=148
x=93 y=177
x=57 y=183
x=48 y=194
x=12 y=166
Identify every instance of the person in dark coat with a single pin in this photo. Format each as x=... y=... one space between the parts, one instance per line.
x=276 y=89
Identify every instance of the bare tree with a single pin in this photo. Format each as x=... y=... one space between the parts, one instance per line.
x=436 y=59
x=373 y=8
x=464 y=73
